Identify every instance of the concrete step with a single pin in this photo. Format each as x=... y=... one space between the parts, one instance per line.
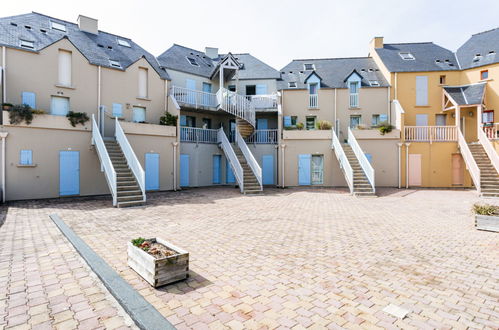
x=126 y=183
x=135 y=192
x=130 y=198
x=128 y=187
x=130 y=203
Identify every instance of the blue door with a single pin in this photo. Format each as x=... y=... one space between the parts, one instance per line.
x=184 y=170
x=268 y=169
x=190 y=84
x=152 y=171
x=69 y=173
x=230 y=178
x=262 y=124
x=217 y=169
x=304 y=170
x=206 y=97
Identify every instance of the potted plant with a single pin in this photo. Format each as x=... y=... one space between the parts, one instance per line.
x=20 y=113
x=76 y=118
x=7 y=106
x=157 y=261
x=168 y=120
x=486 y=217
x=323 y=125
x=384 y=128
x=300 y=126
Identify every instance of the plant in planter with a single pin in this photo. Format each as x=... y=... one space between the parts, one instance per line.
x=324 y=125
x=7 y=106
x=486 y=217
x=384 y=128
x=20 y=113
x=300 y=126
x=76 y=118
x=168 y=120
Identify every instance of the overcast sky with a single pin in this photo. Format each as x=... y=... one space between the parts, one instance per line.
x=277 y=31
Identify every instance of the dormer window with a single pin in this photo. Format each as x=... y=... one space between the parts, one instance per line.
x=373 y=82
x=58 y=26
x=124 y=43
x=192 y=61
x=308 y=66
x=407 y=56
x=27 y=44
x=292 y=84
x=115 y=64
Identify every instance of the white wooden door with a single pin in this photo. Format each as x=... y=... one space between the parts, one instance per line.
x=414 y=169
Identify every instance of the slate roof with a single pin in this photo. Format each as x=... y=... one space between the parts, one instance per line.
x=97 y=49
x=480 y=49
x=175 y=58
x=333 y=72
x=467 y=94
x=427 y=57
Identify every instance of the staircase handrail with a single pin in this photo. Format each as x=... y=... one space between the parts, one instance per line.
x=232 y=158
x=131 y=158
x=250 y=159
x=343 y=160
x=469 y=160
x=489 y=149
x=105 y=160
x=361 y=157
x=237 y=105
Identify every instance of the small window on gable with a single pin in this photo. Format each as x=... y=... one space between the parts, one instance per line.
x=124 y=43
x=58 y=26
x=115 y=64
x=484 y=74
x=308 y=66
x=442 y=80
x=373 y=82
x=407 y=56
x=26 y=157
x=292 y=84
x=27 y=44
x=192 y=61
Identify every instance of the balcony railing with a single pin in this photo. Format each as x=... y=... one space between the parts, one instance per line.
x=236 y=104
x=354 y=100
x=491 y=131
x=263 y=101
x=313 y=101
x=263 y=136
x=197 y=99
x=431 y=133
x=198 y=135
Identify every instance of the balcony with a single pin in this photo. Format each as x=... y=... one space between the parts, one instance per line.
x=491 y=131
x=313 y=134
x=431 y=133
x=198 y=135
x=313 y=101
x=354 y=100
x=263 y=102
x=193 y=98
x=263 y=136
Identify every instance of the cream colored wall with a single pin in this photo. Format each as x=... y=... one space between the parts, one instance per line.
x=241 y=85
x=295 y=103
x=384 y=160
x=472 y=76
x=179 y=78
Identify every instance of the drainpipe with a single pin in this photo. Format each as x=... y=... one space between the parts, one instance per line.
x=389 y=106
x=400 y=163
x=283 y=146
x=166 y=95
x=4 y=76
x=175 y=145
x=335 y=112
x=3 y=135
x=99 y=115
x=407 y=165
x=395 y=88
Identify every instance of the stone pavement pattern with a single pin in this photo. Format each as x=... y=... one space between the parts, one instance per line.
x=286 y=259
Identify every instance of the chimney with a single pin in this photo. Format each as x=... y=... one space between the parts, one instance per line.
x=211 y=52
x=88 y=24
x=376 y=42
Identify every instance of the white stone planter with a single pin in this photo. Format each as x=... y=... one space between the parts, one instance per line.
x=158 y=272
x=487 y=222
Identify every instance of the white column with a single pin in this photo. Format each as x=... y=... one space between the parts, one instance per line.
x=479 y=111
x=407 y=165
x=400 y=164
x=175 y=145
x=3 y=135
x=283 y=160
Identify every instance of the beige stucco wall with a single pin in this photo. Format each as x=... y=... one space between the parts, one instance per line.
x=242 y=83
x=179 y=79
x=472 y=76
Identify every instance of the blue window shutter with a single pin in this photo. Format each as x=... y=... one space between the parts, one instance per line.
x=183 y=120
x=422 y=90
x=304 y=174
x=369 y=157
x=261 y=89
x=117 y=110
x=287 y=121
x=26 y=157
x=383 y=118
x=29 y=98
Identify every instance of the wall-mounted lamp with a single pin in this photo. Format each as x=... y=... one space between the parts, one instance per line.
x=453 y=115
x=470 y=113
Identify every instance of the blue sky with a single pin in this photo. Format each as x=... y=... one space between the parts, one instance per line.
x=278 y=31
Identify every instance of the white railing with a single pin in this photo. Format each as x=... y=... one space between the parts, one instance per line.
x=131 y=158
x=343 y=160
x=237 y=169
x=431 y=133
x=193 y=97
x=491 y=131
x=469 y=160
x=198 y=135
x=313 y=101
x=250 y=159
x=354 y=100
x=361 y=157
x=105 y=160
x=263 y=136
x=263 y=101
x=236 y=104
x=399 y=111
x=489 y=149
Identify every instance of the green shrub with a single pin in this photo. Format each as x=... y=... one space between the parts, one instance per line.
x=76 y=118
x=300 y=126
x=385 y=127
x=19 y=113
x=485 y=209
x=168 y=120
x=324 y=125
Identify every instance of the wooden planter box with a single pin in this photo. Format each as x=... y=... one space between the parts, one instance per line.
x=158 y=272
x=487 y=222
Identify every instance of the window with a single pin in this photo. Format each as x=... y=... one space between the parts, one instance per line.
x=261 y=89
x=290 y=121
x=442 y=80
x=375 y=120
x=59 y=106
x=192 y=61
x=310 y=121
x=440 y=119
x=354 y=94
x=292 y=84
x=26 y=157
x=58 y=26
x=294 y=120
x=374 y=83
x=421 y=120
x=29 y=98
x=250 y=90
x=488 y=116
x=27 y=44
x=317 y=169
x=64 y=67
x=484 y=74
x=312 y=88
x=308 y=66
x=232 y=88
x=407 y=56
x=143 y=83
x=117 y=110
x=190 y=121
x=124 y=43
x=139 y=115
x=115 y=64
x=206 y=123
x=421 y=90
x=354 y=121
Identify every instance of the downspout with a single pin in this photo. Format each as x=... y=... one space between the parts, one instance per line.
x=175 y=145
x=283 y=146
x=395 y=88
x=400 y=164
x=166 y=95
x=4 y=76
x=99 y=119
x=407 y=165
x=3 y=135
x=336 y=125
x=389 y=105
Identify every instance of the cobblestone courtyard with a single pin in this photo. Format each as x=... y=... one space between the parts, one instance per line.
x=293 y=258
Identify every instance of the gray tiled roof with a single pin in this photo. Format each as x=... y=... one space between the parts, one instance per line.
x=175 y=58
x=333 y=72
x=484 y=44
x=428 y=57
x=467 y=94
x=97 y=49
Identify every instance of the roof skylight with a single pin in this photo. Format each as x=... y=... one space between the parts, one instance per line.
x=308 y=66
x=57 y=26
x=27 y=44
x=115 y=64
x=407 y=56
x=292 y=84
x=124 y=43
x=373 y=82
x=192 y=61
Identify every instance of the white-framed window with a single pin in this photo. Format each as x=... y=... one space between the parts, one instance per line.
x=313 y=88
x=374 y=83
x=308 y=66
x=27 y=44
x=375 y=120
x=317 y=169
x=26 y=157
x=59 y=106
x=292 y=84
x=406 y=56
x=192 y=61
x=65 y=67
x=139 y=114
x=310 y=122
x=353 y=88
x=354 y=121
x=124 y=43
x=115 y=64
x=143 y=77
x=57 y=26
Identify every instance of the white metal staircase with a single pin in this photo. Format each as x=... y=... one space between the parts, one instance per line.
x=124 y=174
